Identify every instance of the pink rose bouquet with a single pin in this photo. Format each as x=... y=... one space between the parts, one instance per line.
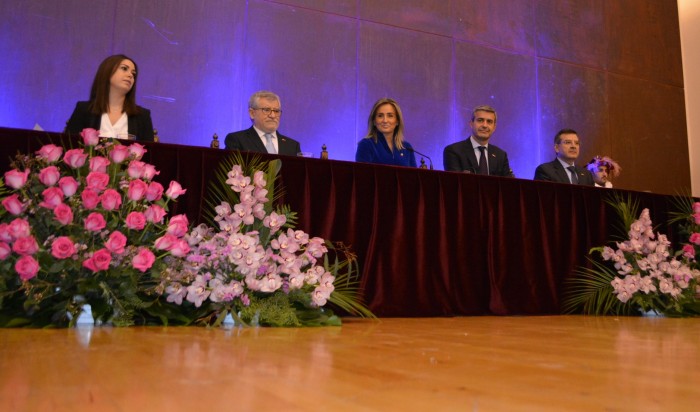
x=82 y=226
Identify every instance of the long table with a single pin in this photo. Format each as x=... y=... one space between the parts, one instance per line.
x=429 y=243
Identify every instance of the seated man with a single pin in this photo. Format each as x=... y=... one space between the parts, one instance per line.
x=265 y=111
x=475 y=154
x=562 y=169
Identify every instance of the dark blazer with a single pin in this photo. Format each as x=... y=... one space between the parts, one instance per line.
x=459 y=157
x=248 y=140
x=140 y=125
x=554 y=172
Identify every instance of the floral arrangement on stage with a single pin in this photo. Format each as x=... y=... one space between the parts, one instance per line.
x=254 y=266
x=89 y=226
x=642 y=274
x=84 y=226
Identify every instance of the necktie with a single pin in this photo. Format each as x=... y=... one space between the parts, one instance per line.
x=574 y=178
x=483 y=166
x=269 y=145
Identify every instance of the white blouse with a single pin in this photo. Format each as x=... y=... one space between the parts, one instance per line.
x=119 y=130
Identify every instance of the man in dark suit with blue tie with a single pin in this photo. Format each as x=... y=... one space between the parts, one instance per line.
x=563 y=169
x=475 y=154
x=265 y=110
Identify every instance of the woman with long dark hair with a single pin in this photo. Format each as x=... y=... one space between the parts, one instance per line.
x=112 y=107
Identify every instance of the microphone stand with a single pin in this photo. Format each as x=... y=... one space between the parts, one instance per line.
x=422 y=162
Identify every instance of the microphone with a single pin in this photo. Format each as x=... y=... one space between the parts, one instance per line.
x=421 y=154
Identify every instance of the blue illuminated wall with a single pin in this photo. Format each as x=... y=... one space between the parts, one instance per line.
x=602 y=67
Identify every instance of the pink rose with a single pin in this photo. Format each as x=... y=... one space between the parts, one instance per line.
x=53 y=197
x=135 y=169
x=90 y=199
x=5 y=250
x=135 y=221
x=97 y=181
x=95 y=222
x=116 y=242
x=111 y=199
x=19 y=228
x=16 y=179
x=99 y=164
x=63 y=248
x=49 y=176
x=50 y=152
x=154 y=192
x=75 y=158
x=99 y=260
x=63 y=214
x=90 y=136
x=27 y=267
x=695 y=238
x=119 y=153
x=697 y=218
x=137 y=150
x=5 y=235
x=165 y=242
x=137 y=190
x=155 y=214
x=69 y=185
x=149 y=171
x=689 y=251
x=143 y=260
x=25 y=246
x=180 y=249
x=178 y=226
x=696 y=207
x=175 y=190
x=13 y=205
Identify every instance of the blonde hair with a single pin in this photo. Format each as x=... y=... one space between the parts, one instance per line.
x=372 y=131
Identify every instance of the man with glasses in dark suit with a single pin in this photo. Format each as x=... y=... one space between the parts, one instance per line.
x=265 y=110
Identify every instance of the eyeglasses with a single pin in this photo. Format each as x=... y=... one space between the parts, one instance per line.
x=268 y=111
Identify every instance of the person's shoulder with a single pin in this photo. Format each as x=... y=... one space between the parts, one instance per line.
x=144 y=111
x=456 y=145
x=240 y=133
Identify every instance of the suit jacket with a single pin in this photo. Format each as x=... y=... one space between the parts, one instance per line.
x=460 y=156
x=554 y=172
x=140 y=125
x=248 y=140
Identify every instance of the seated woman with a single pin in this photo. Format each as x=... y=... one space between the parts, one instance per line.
x=602 y=168
x=384 y=142
x=112 y=107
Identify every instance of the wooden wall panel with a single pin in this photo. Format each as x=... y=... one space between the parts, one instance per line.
x=428 y=16
x=648 y=135
x=645 y=39
x=503 y=24
x=574 y=31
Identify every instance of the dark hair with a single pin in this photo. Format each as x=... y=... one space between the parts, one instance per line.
x=99 y=93
x=372 y=131
x=557 y=137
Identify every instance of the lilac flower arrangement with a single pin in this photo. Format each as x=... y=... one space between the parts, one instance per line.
x=254 y=266
x=84 y=226
x=643 y=274
x=648 y=273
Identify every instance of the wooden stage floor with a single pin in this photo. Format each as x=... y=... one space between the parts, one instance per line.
x=546 y=363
